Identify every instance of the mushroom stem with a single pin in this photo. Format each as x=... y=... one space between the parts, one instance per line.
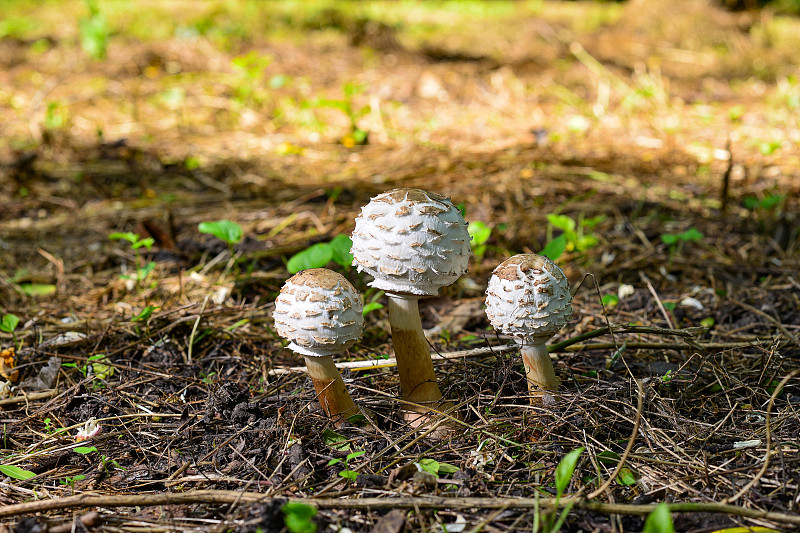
x=539 y=372
x=331 y=391
x=414 y=364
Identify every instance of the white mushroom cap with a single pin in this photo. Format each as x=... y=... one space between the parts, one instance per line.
x=528 y=298
x=411 y=241
x=319 y=311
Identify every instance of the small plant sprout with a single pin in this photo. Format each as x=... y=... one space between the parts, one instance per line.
x=71 y=480
x=136 y=243
x=576 y=236
x=564 y=472
x=225 y=230
x=677 y=240
x=528 y=299
x=319 y=311
x=412 y=243
x=347 y=472
x=8 y=324
x=356 y=136
x=94 y=32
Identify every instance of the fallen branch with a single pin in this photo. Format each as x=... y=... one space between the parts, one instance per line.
x=29 y=397
x=570 y=345
x=233 y=497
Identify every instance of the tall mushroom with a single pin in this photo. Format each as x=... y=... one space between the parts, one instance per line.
x=528 y=299
x=412 y=242
x=319 y=311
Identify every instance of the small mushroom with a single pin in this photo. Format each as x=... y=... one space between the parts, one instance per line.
x=413 y=243
x=528 y=299
x=319 y=311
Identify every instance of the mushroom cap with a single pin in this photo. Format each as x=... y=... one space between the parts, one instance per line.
x=411 y=241
x=528 y=298
x=319 y=311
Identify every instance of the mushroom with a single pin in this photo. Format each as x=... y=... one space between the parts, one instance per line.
x=412 y=242
x=528 y=299
x=319 y=311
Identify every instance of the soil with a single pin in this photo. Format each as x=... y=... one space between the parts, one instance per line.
x=664 y=158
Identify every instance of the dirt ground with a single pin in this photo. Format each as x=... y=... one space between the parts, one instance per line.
x=664 y=135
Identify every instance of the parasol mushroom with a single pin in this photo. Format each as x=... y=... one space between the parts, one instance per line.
x=319 y=311
x=528 y=299
x=412 y=243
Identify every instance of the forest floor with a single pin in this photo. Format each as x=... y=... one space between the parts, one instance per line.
x=657 y=143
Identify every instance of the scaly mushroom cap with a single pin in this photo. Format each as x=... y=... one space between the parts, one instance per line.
x=319 y=311
x=528 y=298
x=411 y=241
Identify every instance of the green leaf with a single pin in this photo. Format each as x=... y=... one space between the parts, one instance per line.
x=144 y=314
x=351 y=89
x=555 y=248
x=429 y=465
x=316 y=256
x=692 y=234
x=102 y=369
x=349 y=474
x=608 y=457
x=16 y=472
x=590 y=223
x=127 y=236
x=372 y=306
x=626 y=477
x=708 y=322
x=586 y=242
x=94 y=33
x=562 y=222
x=360 y=136
x=669 y=238
x=335 y=104
x=83 y=450
x=37 y=289
x=340 y=246
x=146 y=243
x=9 y=323
x=750 y=203
x=335 y=441
x=446 y=468
x=610 y=300
x=191 y=163
x=353 y=455
x=771 y=201
x=659 y=521
x=479 y=233
x=142 y=273
x=297 y=517
x=225 y=230
x=566 y=468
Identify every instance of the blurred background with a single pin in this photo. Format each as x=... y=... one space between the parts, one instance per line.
x=286 y=116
